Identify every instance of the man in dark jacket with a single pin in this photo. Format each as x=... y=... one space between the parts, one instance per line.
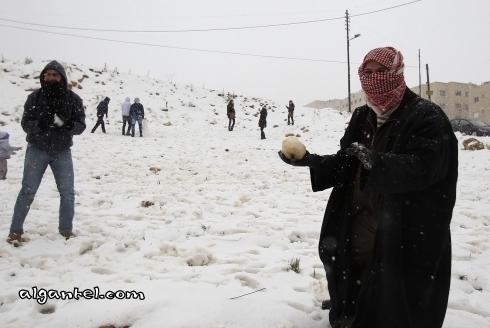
x=137 y=113
x=263 y=121
x=290 y=111
x=230 y=112
x=102 y=110
x=52 y=116
x=385 y=240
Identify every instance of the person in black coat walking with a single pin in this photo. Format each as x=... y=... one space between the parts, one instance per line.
x=52 y=116
x=102 y=110
x=385 y=240
x=263 y=121
x=290 y=111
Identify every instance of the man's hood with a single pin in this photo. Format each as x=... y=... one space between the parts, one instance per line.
x=57 y=67
x=107 y=99
x=4 y=135
x=128 y=99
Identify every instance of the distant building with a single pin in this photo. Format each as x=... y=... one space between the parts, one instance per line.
x=458 y=100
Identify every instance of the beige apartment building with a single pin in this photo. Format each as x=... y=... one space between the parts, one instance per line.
x=458 y=100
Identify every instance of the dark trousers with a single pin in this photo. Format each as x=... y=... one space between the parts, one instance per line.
x=362 y=243
x=126 y=119
x=100 y=121
x=3 y=168
x=230 y=125
x=140 y=125
x=291 y=116
x=262 y=134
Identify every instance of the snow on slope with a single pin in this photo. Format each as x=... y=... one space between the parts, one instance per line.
x=226 y=215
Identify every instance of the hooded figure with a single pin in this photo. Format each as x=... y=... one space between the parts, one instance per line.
x=102 y=110
x=137 y=113
x=290 y=111
x=125 y=107
x=230 y=112
x=5 y=152
x=263 y=121
x=52 y=116
x=385 y=240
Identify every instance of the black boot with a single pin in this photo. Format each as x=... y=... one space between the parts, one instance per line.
x=262 y=135
x=141 y=134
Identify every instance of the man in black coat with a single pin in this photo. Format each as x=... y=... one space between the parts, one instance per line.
x=52 y=116
x=290 y=112
x=230 y=112
x=263 y=121
x=385 y=240
x=102 y=109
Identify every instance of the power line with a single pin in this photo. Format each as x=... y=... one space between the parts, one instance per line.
x=174 y=31
x=203 y=30
x=179 y=48
x=377 y=11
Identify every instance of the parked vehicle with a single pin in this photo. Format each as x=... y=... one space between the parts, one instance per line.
x=470 y=126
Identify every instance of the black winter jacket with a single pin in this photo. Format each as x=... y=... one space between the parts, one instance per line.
x=53 y=140
x=412 y=190
x=137 y=110
x=263 y=118
x=103 y=107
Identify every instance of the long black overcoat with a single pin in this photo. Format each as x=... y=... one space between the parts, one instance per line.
x=412 y=187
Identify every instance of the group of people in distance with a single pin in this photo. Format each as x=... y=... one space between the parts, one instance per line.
x=131 y=113
x=385 y=241
x=230 y=112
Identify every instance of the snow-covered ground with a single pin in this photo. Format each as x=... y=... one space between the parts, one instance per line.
x=225 y=218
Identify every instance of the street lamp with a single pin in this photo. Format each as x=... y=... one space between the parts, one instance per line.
x=348 y=63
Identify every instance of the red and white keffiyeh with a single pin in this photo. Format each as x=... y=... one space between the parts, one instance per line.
x=384 y=90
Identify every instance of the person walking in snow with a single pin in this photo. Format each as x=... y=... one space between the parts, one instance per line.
x=137 y=113
x=5 y=152
x=125 y=108
x=385 y=240
x=290 y=111
x=52 y=116
x=263 y=121
x=230 y=112
x=102 y=110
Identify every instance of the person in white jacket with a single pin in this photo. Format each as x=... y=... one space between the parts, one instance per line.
x=126 y=105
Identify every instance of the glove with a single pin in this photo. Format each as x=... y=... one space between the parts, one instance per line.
x=307 y=160
x=58 y=121
x=362 y=153
x=68 y=125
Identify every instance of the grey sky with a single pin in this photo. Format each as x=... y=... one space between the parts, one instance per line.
x=453 y=37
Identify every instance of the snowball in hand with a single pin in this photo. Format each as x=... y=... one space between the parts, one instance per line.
x=293 y=148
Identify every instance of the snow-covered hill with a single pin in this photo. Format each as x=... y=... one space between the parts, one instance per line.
x=193 y=215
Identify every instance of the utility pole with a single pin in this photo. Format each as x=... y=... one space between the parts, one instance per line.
x=429 y=93
x=420 y=78
x=348 y=57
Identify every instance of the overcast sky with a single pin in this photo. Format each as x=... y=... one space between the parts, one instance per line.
x=453 y=38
